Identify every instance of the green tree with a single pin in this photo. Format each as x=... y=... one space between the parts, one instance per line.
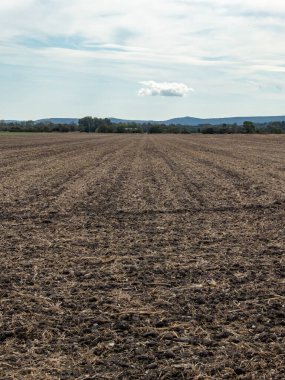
x=86 y=124
x=248 y=127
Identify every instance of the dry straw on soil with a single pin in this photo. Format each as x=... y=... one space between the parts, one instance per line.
x=142 y=257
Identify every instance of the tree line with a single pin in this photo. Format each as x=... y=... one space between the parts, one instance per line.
x=90 y=124
x=247 y=127
x=31 y=126
x=94 y=124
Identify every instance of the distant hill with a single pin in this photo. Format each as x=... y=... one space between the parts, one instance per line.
x=225 y=120
x=193 y=121
x=12 y=121
x=187 y=120
x=116 y=121
x=58 y=120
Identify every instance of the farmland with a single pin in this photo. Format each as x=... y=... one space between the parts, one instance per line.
x=142 y=257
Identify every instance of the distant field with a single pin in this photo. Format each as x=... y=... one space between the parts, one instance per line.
x=142 y=257
x=12 y=134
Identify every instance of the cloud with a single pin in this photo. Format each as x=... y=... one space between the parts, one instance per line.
x=168 y=31
x=152 y=88
x=218 y=45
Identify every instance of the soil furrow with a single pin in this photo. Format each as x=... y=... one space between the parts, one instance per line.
x=142 y=257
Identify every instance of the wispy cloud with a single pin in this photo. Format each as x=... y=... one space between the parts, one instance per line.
x=215 y=45
x=169 y=30
x=152 y=88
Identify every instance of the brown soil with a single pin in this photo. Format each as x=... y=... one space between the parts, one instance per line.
x=142 y=257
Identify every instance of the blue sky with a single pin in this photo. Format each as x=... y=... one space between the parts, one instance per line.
x=141 y=59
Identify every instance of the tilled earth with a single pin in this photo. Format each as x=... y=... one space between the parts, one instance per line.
x=142 y=257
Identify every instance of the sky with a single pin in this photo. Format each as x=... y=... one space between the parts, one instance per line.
x=143 y=59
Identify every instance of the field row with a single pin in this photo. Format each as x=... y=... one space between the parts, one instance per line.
x=142 y=257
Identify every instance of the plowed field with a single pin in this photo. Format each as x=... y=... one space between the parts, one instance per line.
x=142 y=257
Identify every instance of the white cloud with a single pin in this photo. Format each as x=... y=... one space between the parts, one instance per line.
x=152 y=88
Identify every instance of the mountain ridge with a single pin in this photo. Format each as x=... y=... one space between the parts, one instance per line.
x=185 y=121
x=194 y=121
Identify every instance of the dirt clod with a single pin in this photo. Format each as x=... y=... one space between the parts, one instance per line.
x=142 y=257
